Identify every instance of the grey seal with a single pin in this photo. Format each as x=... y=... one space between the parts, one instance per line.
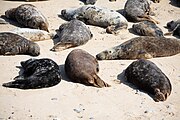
x=72 y=34
x=174 y=27
x=13 y=44
x=147 y=76
x=98 y=16
x=29 y=16
x=81 y=67
x=146 y=28
x=38 y=73
x=142 y=47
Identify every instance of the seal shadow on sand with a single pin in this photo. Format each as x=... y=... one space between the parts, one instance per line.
x=63 y=74
x=121 y=77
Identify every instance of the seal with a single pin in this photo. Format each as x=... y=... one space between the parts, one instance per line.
x=174 y=27
x=13 y=44
x=138 y=10
x=146 y=28
x=147 y=76
x=156 y=1
x=72 y=34
x=38 y=73
x=81 y=67
x=94 y=15
x=142 y=47
x=33 y=34
x=29 y=16
x=92 y=2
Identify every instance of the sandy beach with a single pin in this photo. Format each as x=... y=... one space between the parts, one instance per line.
x=74 y=101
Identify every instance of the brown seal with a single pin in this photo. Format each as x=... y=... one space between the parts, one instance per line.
x=81 y=67
x=13 y=44
x=147 y=76
x=29 y=16
x=142 y=47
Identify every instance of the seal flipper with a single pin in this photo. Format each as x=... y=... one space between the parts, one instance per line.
x=62 y=46
x=144 y=54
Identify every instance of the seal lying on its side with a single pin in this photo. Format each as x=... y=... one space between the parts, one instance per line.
x=142 y=47
x=147 y=76
x=72 y=34
x=29 y=16
x=98 y=16
x=33 y=34
x=146 y=28
x=81 y=67
x=174 y=26
x=13 y=44
x=138 y=10
x=38 y=73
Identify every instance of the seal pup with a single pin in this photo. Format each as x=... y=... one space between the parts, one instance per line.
x=29 y=16
x=174 y=27
x=81 y=67
x=72 y=34
x=38 y=73
x=138 y=10
x=146 y=28
x=142 y=47
x=94 y=15
x=13 y=44
x=147 y=76
x=33 y=34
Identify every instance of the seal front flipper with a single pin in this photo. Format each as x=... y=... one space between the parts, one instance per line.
x=143 y=54
x=62 y=46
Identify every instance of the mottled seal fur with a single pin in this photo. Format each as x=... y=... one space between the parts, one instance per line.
x=81 y=67
x=94 y=15
x=72 y=34
x=38 y=73
x=29 y=16
x=13 y=44
x=142 y=47
x=138 y=10
x=146 y=28
x=174 y=27
x=33 y=34
x=147 y=76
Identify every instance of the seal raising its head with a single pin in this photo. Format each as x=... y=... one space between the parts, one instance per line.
x=13 y=44
x=72 y=34
x=147 y=76
x=38 y=73
x=81 y=67
x=29 y=16
x=138 y=10
x=174 y=26
x=142 y=47
x=98 y=16
x=146 y=28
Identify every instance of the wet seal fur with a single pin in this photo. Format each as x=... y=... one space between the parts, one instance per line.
x=13 y=44
x=38 y=73
x=138 y=10
x=147 y=76
x=33 y=34
x=29 y=16
x=174 y=26
x=72 y=34
x=146 y=28
x=142 y=47
x=94 y=15
x=81 y=67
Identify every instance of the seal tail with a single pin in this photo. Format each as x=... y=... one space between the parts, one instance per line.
x=98 y=82
x=16 y=84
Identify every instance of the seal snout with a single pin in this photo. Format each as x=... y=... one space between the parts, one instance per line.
x=100 y=56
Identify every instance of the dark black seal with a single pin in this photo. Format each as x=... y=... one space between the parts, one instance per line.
x=38 y=73
x=147 y=76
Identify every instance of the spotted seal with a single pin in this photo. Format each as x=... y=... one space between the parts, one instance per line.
x=81 y=67
x=72 y=34
x=13 y=44
x=29 y=16
x=138 y=10
x=174 y=26
x=146 y=28
x=38 y=73
x=147 y=76
x=142 y=47
x=33 y=34
x=98 y=16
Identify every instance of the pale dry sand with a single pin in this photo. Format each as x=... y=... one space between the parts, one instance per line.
x=71 y=101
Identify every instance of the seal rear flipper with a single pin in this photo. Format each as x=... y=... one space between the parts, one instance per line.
x=98 y=82
x=62 y=46
x=147 y=18
x=22 y=84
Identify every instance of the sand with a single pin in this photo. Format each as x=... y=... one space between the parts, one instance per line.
x=73 y=101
